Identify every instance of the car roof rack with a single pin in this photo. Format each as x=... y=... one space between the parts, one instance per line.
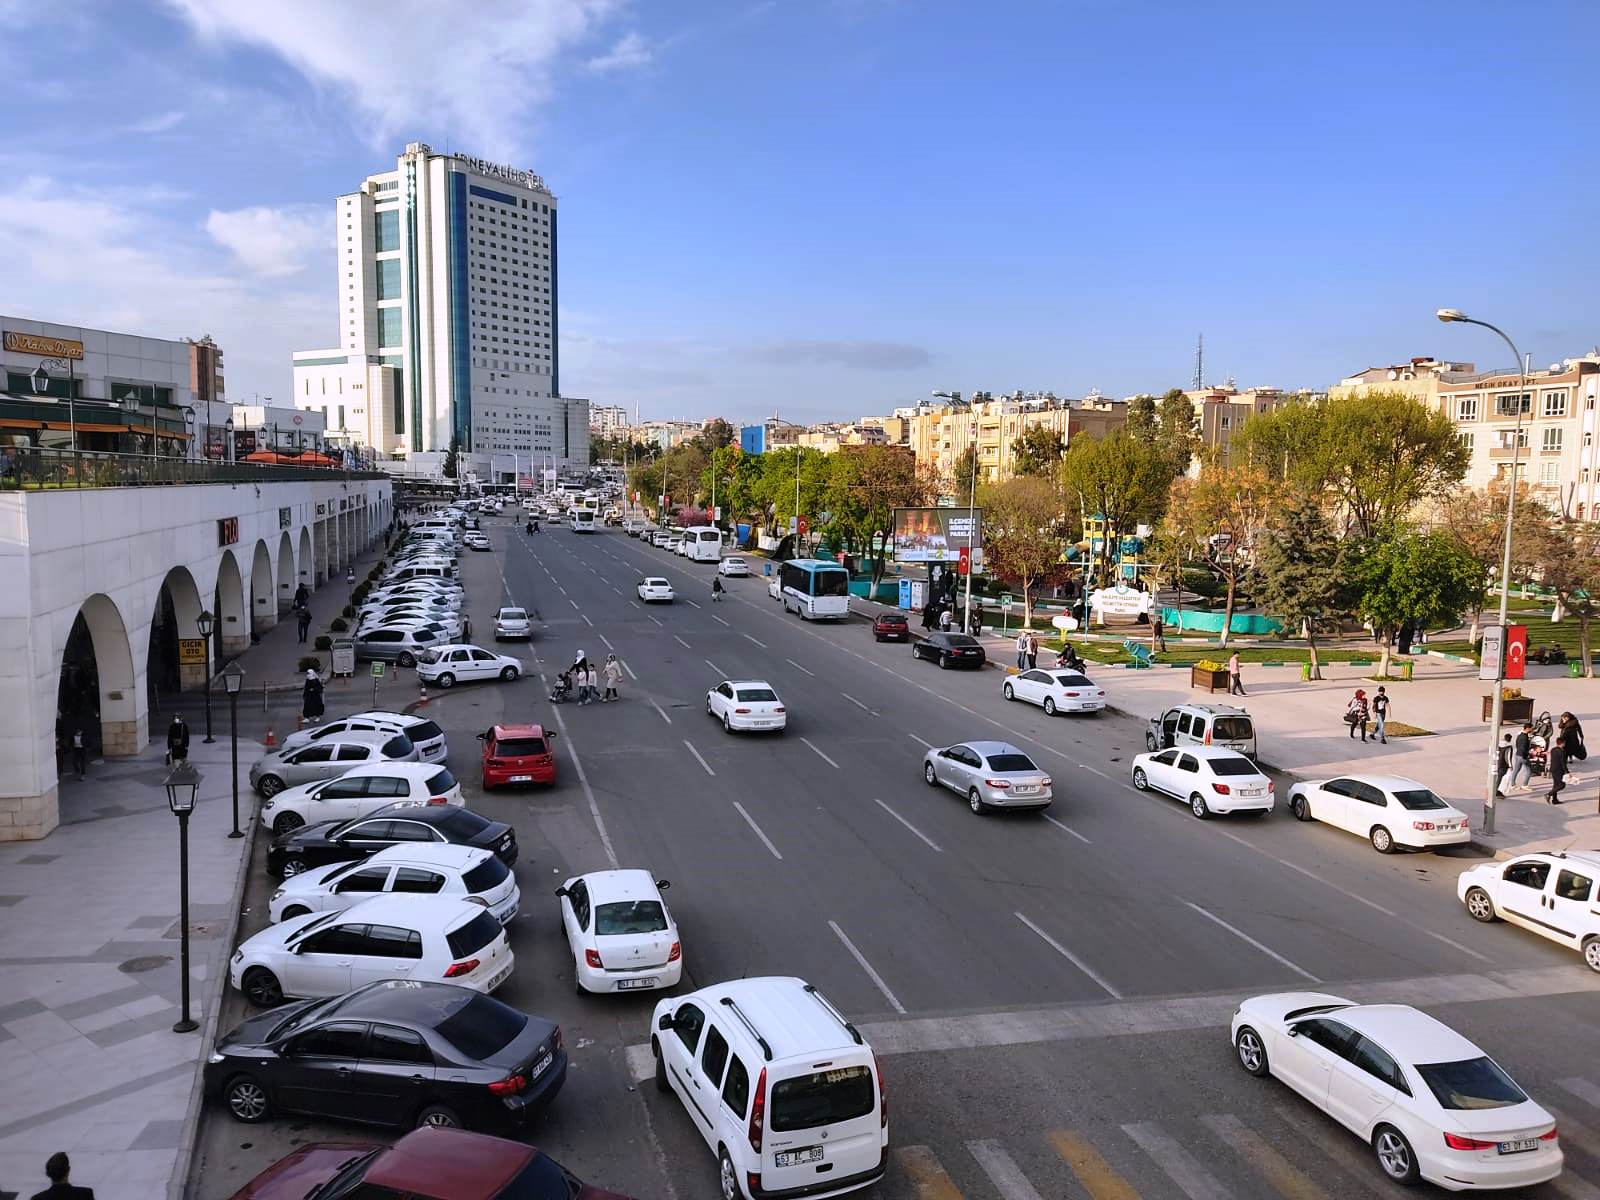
x=766 y=1050
x=855 y=1034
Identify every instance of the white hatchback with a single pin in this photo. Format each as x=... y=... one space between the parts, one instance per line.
x=359 y=791
x=746 y=704
x=654 y=588
x=460 y=872
x=1390 y=811
x=1430 y=1103
x=733 y=565
x=621 y=935
x=433 y=938
x=1209 y=778
x=1055 y=691
x=461 y=663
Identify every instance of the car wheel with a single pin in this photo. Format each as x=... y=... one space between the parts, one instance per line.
x=446 y=680
x=1301 y=808
x=1251 y=1050
x=508 y=674
x=1150 y=743
x=1382 y=840
x=287 y=823
x=1481 y=908
x=727 y=1178
x=269 y=786
x=726 y=727
x=293 y=866
x=1197 y=805
x=1591 y=953
x=944 y=661
x=293 y=911
x=877 y=637
x=439 y=1117
x=929 y=776
x=663 y=1084
x=1396 y=1159
x=709 y=713
x=261 y=987
x=975 y=803
x=406 y=659
x=1140 y=779
x=1049 y=707
x=247 y=1100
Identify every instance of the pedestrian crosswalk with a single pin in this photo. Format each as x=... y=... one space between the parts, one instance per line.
x=1290 y=1152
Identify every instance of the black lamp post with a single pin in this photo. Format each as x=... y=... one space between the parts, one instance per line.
x=207 y=623
x=233 y=681
x=182 y=782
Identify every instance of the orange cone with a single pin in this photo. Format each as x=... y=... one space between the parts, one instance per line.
x=424 y=699
x=271 y=739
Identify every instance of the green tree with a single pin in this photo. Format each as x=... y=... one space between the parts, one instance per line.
x=1038 y=452
x=452 y=458
x=960 y=481
x=1223 y=511
x=778 y=484
x=1142 y=423
x=1406 y=575
x=865 y=485
x=716 y=434
x=1118 y=478
x=1476 y=519
x=1298 y=570
x=1178 y=433
x=1022 y=521
x=1569 y=562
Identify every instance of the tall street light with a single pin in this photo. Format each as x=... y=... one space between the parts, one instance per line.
x=233 y=681
x=206 y=623
x=1455 y=315
x=182 y=782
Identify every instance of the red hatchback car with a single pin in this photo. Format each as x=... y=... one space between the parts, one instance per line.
x=426 y=1164
x=891 y=627
x=517 y=754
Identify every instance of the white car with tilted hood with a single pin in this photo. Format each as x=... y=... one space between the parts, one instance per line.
x=745 y=705
x=1209 y=779
x=429 y=869
x=1390 y=811
x=620 y=932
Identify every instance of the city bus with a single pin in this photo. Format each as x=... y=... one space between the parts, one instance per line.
x=817 y=589
x=703 y=543
x=583 y=520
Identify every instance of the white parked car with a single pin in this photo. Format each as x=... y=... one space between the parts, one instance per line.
x=619 y=930
x=512 y=624
x=989 y=774
x=431 y=869
x=775 y=586
x=461 y=663
x=1209 y=778
x=733 y=565
x=359 y=791
x=1552 y=894
x=746 y=704
x=1055 y=691
x=477 y=541
x=1390 y=811
x=370 y=722
x=655 y=588
x=434 y=938
x=1430 y=1103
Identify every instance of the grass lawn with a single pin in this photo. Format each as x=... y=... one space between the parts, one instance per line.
x=1540 y=634
x=1112 y=652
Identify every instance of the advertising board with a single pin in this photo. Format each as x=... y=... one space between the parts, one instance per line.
x=930 y=535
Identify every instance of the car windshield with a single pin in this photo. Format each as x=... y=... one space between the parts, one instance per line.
x=1073 y=680
x=1471 y=1083
x=1233 y=729
x=517 y=747
x=1002 y=763
x=629 y=916
x=482 y=1027
x=959 y=639
x=314 y=1009
x=762 y=695
x=1419 y=799
x=462 y=824
x=490 y=873
x=1233 y=766
x=822 y=1098
x=542 y=1179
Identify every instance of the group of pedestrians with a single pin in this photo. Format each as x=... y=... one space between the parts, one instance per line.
x=584 y=677
x=1361 y=711
x=1027 y=651
x=1564 y=746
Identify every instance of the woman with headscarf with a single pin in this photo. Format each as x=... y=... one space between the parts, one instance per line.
x=1356 y=714
x=1566 y=745
x=311 y=697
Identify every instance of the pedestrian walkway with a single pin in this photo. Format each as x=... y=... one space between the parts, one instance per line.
x=89 y=941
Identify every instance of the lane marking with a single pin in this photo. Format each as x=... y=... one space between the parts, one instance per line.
x=659 y=709
x=1095 y=1173
x=690 y=602
x=932 y=844
x=588 y=792
x=765 y=840
x=574 y=603
x=856 y=702
x=1181 y=1166
x=629 y=670
x=586 y=620
x=861 y=959
x=1245 y=937
x=715 y=670
x=928 y=1178
x=914 y=737
x=681 y=642
x=798 y=667
x=820 y=754
x=1582 y=1089
x=1066 y=829
x=719 y=620
x=616 y=589
x=757 y=641
x=561 y=589
x=654 y=618
x=697 y=757
x=1330 y=1138
x=607 y=641
x=1286 y=1178
x=1453 y=944
x=1002 y=1171
x=1283 y=862
x=1070 y=957
x=1092 y=770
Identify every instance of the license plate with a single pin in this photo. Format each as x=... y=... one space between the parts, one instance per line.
x=1520 y=1146
x=499 y=979
x=538 y=1067
x=628 y=985
x=1026 y=791
x=1249 y=791
x=522 y=779
x=795 y=1158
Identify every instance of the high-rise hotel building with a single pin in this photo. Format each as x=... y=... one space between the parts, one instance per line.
x=448 y=318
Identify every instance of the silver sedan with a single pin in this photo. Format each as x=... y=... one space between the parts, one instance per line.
x=331 y=756
x=989 y=774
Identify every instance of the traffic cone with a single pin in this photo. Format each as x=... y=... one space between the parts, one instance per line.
x=424 y=699
x=271 y=739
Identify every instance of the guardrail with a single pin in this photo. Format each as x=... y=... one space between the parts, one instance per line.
x=40 y=469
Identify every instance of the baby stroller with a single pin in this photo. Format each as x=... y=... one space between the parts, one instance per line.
x=1539 y=743
x=562 y=691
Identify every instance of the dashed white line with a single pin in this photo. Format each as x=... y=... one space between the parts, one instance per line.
x=798 y=667
x=919 y=741
x=1066 y=829
x=856 y=702
x=765 y=840
x=607 y=641
x=719 y=620
x=715 y=670
x=659 y=709
x=588 y=792
x=1095 y=771
x=999 y=1166
x=562 y=589
x=861 y=960
x=586 y=620
x=820 y=754
x=1070 y=957
x=1245 y=937
x=757 y=641
x=628 y=669
x=690 y=602
x=697 y=757
x=681 y=642
x=654 y=618
x=574 y=603
x=931 y=843
x=616 y=589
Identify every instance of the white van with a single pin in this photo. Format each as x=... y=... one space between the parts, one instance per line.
x=785 y=1091
x=703 y=543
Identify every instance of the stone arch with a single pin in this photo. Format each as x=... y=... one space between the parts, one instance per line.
x=263 y=604
x=307 y=574
x=231 y=630
x=285 y=573
x=175 y=616
x=98 y=689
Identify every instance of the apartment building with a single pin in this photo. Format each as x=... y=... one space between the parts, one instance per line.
x=940 y=435
x=607 y=420
x=1418 y=377
x=1221 y=411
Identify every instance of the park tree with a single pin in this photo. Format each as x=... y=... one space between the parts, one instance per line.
x=1177 y=430
x=1223 y=512
x=716 y=434
x=1403 y=575
x=1022 y=520
x=1298 y=570
x=1569 y=563
x=1038 y=452
x=1142 y=423
x=452 y=459
x=1118 y=478
x=1476 y=519
x=777 y=484
x=960 y=482
x=865 y=485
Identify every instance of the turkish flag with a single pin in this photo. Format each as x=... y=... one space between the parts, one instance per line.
x=1516 y=651
x=964 y=564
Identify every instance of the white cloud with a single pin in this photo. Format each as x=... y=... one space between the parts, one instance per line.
x=156 y=124
x=272 y=241
x=471 y=69
x=631 y=51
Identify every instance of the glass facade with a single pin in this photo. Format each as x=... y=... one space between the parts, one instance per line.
x=398 y=363
x=388 y=279
x=386 y=230
x=388 y=327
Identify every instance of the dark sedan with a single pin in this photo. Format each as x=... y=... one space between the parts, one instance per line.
x=950 y=650
x=891 y=627
x=397 y=1052
x=405 y=824
x=427 y=1164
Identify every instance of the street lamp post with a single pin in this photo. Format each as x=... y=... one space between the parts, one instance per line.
x=182 y=782
x=206 y=623
x=1491 y=790
x=233 y=681
x=41 y=385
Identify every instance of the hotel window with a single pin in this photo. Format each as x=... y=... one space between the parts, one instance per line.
x=389 y=279
x=1549 y=474
x=1552 y=439
x=388 y=327
x=1555 y=404
x=386 y=230
x=1467 y=408
x=1588 y=437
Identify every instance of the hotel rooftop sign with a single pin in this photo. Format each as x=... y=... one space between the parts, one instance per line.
x=514 y=175
x=46 y=347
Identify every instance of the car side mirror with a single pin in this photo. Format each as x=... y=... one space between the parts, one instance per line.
x=480 y=737
x=561 y=891
x=1292 y=1031
x=665 y=1024
x=663 y=884
x=550 y=735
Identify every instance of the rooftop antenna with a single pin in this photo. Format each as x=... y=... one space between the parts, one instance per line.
x=1200 y=362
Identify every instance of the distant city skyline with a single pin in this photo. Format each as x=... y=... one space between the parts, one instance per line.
x=832 y=210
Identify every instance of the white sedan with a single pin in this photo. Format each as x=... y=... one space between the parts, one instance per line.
x=1209 y=778
x=460 y=663
x=746 y=704
x=733 y=565
x=1430 y=1103
x=1390 y=811
x=620 y=933
x=655 y=588
x=1055 y=691
x=512 y=624
x=359 y=791
x=460 y=872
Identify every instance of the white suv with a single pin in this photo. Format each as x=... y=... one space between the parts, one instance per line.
x=785 y=1091
x=1550 y=894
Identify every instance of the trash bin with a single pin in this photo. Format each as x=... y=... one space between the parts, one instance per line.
x=344 y=657
x=1305 y=672
x=1574 y=670
x=1405 y=671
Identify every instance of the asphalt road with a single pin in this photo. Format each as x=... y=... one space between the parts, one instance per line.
x=1050 y=992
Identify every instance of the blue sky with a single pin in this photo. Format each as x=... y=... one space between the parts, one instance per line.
x=825 y=208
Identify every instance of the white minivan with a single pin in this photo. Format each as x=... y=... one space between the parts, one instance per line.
x=785 y=1091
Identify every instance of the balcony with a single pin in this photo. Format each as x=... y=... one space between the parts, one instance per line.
x=33 y=468
x=1503 y=453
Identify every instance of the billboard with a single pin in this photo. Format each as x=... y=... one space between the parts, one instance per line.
x=935 y=535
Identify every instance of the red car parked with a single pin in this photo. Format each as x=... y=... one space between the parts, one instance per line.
x=427 y=1164
x=891 y=627
x=517 y=754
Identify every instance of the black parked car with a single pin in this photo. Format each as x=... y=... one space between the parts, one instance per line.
x=950 y=650
x=396 y=1052
x=404 y=824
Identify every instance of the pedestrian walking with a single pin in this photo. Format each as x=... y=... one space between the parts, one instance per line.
x=1158 y=629
x=945 y=620
x=1519 y=768
x=80 y=753
x=1235 y=684
x=1380 y=715
x=466 y=627
x=1355 y=714
x=1033 y=651
x=177 y=741
x=613 y=677
x=1566 y=745
x=302 y=597
x=716 y=588
x=1022 y=651
x=303 y=622
x=1502 y=763
x=593 y=678
x=930 y=614
x=311 y=698
x=57 y=1168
